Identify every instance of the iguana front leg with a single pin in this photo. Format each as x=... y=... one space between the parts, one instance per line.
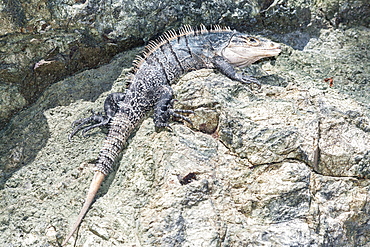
x=163 y=109
x=227 y=69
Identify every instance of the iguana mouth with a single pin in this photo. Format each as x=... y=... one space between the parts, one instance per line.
x=276 y=49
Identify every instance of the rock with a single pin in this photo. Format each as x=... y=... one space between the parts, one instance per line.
x=43 y=42
x=287 y=165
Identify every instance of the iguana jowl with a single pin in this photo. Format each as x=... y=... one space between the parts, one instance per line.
x=161 y=64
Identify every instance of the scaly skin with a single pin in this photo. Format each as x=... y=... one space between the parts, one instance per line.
x=94 y=187
x=161 y=64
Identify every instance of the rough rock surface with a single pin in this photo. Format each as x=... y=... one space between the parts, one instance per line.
x=287 y=165
x=42 y=42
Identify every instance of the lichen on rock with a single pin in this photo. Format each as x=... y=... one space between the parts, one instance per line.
x=286 y=165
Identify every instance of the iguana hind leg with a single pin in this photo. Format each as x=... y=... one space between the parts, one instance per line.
x=111 y=106
x=97 y=118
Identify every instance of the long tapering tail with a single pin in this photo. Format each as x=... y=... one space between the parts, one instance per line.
x=94 y=187
x=120 y=128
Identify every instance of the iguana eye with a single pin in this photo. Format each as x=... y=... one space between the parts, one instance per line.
x=253 y=41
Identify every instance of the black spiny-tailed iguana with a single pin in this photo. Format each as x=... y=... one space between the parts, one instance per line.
x=161 y=64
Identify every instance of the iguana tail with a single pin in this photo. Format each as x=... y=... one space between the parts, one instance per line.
x=94 y=187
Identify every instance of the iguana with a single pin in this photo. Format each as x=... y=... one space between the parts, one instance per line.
x=162 y=62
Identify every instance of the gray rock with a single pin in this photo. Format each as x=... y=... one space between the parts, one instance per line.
x=287 y=165
x=43 y=42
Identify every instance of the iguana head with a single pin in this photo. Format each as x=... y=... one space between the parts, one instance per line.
x=243 y=50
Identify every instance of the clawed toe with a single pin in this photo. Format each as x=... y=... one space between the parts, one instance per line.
x=246 y=79
x=183 y=111
x=175 y=113
x=160 y=126
x=97 y=118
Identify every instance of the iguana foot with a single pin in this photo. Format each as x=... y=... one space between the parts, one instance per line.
x=98 y=118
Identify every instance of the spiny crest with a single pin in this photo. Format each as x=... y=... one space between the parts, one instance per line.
x=170 y=35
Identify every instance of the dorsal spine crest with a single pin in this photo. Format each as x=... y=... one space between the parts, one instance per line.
x=170 y=35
